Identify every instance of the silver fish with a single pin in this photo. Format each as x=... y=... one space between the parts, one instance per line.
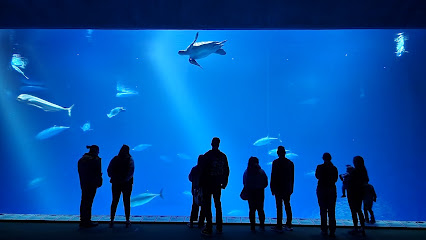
x=141 y=147
x=43 y=104
x=265 y=140
x=115 y=111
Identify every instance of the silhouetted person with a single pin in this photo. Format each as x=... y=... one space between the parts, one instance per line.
x=345 y=179
x=369 y=197
x=194 y=177
x=214 y=178
x=282 y=182
x=327 y=176
x=357 y=180
x=120 y=170
x=90 y=173
x=255 y=181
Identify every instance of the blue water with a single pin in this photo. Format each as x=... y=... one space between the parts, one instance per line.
x=345 y=92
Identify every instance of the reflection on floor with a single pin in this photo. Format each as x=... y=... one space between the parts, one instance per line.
x=228 y=220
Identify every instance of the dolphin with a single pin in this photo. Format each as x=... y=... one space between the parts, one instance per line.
x=144 y=198
x=43 y=104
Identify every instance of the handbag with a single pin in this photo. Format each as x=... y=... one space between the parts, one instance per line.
x=244 y=194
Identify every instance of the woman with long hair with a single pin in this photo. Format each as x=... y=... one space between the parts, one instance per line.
x=120 y=170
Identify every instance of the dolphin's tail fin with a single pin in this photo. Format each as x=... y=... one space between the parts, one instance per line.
x=69 y=110
x=224 y=41
x=161 y=194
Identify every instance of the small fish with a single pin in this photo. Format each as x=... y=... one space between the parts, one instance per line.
x=187 y=193
x=115 y=111
x=265 y=141
x=144 y=198
x=310 y=174
x=50 y=132
x=183 y=156
x=35 y=183
x=141 y=147
x=19 y=63
x=125 y=92
x=43 y=104
x=86 y=127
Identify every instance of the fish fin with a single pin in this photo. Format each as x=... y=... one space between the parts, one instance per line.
x=224 y=41
x=220 y=51
x=69 y=110
x=161 y=193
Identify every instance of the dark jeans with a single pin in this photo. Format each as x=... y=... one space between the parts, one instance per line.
x=206 y=209
x=194 y=213
x=279 y=201
x=355 y=203
x=87 y=196
x=255 y=202
x=368 y=207
x=117 y=189
x=327 y=203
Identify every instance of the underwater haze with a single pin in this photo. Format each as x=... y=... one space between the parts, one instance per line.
x=346 y=92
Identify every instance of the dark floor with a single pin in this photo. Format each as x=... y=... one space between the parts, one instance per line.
x=157 y=231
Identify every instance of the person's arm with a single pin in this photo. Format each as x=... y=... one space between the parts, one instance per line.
x=131 y=169
x=335 y=175
x=190 y=176
x=292 y=177
x=374 y=193
x=244 y=178
x=225 y=183
x=273 y=177
x=110 y=168
x=317 y=173
x=265 y=179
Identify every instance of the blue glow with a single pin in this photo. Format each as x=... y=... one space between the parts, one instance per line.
x=310 y=91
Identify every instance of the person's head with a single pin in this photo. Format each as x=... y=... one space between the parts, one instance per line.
x=93 y=149
x=326 y=157
x=215 y=143
x=281 y=151
x=200 y=159
x=124 y=151
x=253 y=162
x=358 y=162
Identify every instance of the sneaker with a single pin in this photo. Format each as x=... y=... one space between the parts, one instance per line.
x=111 y=224
x=206 y=232
x=252 y=229
x=373 y=221
x=200 y=226
x=288 y=228
x=190 y=225
x=324 y=233
x=343 y=196
x=277 y=229
x=332 y=235
x=128 y=223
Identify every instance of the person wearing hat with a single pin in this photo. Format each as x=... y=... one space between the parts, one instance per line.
x=90 y=173
x=327 y=176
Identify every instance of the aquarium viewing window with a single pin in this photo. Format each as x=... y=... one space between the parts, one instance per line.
x=346 y=92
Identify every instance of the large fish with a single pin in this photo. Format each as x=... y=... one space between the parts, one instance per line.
x=50 y=132
x=144 y=198
x=43 y=104
x=265 y=141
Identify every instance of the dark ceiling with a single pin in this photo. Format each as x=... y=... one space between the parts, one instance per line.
x=213 y=14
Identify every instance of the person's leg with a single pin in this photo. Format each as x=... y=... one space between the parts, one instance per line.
x=252 y=212
x=331 y=207
x=323 y=210
x=116 y=192
x=353 y=211
x=260 y=211
x=288 y=211
x=218 y=206
x=127 y=192
x=366 y=213
x=279 y=204
x=206 y=210
x=194 y=212
x=84 y=205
